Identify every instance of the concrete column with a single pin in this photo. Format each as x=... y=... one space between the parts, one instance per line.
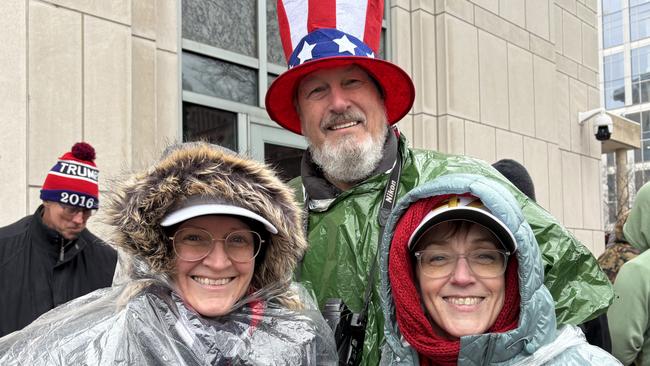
x=622 y=181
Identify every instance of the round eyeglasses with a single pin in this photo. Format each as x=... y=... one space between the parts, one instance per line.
x=191 y=244
x=484 y=263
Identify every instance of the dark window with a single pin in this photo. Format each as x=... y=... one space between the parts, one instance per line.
x=611 y=160
x=226 y=24
x=645 y=125
x=270 y=78
x=274 y=50
x=220 y=79
x=611 y=196
x=285 y=160
x=611 y=183
x=611 y=211
x=643 y=154
x=641 y=177
x=636 y=117
x=382 y=45
x=215 y=126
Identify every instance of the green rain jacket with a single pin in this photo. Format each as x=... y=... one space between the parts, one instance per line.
x=343 y=235
x=628 y=317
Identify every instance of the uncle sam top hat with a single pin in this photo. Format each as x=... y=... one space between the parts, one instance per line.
x=321 y=34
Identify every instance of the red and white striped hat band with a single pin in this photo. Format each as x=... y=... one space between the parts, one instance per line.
x=321 y=34
x=358 y=18
x=73 y=180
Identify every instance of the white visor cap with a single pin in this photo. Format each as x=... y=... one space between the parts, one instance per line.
x=200 y=206
x=465 y=208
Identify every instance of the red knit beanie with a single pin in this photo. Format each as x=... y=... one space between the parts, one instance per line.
x=413 y=323
x=73 y=179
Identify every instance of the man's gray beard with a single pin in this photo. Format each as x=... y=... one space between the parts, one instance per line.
x=349 y=162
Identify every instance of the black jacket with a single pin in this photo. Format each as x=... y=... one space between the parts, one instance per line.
x=34 y=278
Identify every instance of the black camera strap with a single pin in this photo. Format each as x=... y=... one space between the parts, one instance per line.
x=350 y=345
x=387 y=204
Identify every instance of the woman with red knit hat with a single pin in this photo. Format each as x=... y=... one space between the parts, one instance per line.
x=462 y=282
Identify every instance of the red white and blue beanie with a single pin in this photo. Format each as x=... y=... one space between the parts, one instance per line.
x=73 y=179
x=321 y=34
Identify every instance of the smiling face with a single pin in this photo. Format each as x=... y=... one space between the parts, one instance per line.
x=213 y=284
x=343 y=116
x=460 y=304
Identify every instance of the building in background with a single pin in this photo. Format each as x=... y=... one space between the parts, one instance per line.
x=494 y=78
x=625 y=86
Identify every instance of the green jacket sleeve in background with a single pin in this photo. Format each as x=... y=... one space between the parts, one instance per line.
x=628 y=315
x=343 y=239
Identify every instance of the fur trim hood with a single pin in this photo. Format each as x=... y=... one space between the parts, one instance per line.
x=138 y=204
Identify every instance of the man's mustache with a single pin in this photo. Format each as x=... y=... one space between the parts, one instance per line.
x=335 y=118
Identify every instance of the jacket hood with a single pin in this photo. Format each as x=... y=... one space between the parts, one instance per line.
x=537 y=322
x=636 y=228
x=137 y=205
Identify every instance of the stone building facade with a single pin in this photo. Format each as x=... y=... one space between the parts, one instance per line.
x=494 y=79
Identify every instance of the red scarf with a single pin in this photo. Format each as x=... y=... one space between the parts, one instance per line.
x=411 y=319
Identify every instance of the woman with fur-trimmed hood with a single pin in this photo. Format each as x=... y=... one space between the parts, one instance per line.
x=211 y=241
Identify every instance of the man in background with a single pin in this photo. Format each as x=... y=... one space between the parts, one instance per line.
x=50 y=257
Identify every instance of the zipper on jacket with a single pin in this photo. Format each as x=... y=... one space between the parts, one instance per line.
x=489 y=350
x=62 y=251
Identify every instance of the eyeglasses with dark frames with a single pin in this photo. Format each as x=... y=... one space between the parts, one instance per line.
x=72 y=211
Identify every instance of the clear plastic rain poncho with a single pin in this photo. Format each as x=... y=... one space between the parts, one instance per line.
x=144 y=320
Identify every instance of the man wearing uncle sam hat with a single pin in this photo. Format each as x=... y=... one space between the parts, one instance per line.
x=49 y=258
x=346 y=101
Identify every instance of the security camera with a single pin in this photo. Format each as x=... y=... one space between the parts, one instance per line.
x=603 y=127
x=603 y=124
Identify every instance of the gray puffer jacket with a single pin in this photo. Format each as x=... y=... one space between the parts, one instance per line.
x=535 y=341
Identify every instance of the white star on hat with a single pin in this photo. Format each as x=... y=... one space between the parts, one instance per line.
x=305 y=53
x=345 y=45
x=371 y=54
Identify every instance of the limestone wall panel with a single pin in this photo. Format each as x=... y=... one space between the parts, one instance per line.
x=536 y=162
x=168 y=96
x=555 y=188
x=520 y=91
x=116 y=10
x=462 y=69
x=13 y=104
x=572 y=189
x=107 y=93
x=546 y=127
x=144 y=130
x=480 y=141
x=424 y=51
x=591 y=197
x=55 y=86
x=493 y=71
x=509 y=145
